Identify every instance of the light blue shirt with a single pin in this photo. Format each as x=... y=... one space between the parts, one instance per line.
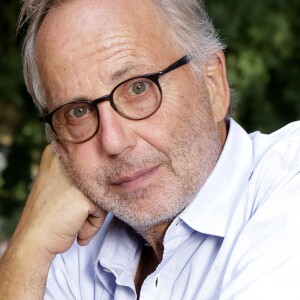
x=239 y=239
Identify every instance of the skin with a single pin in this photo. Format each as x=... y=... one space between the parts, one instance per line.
x=146 y=171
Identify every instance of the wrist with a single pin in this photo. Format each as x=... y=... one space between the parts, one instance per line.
x=28 y=249
x=23 y=270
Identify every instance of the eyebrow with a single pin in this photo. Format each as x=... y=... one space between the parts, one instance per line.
x=117 y=76
x=128 y=68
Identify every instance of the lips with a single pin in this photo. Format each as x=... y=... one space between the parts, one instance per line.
x=136 y=177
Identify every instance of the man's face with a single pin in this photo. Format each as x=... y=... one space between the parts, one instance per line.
x=145 y=171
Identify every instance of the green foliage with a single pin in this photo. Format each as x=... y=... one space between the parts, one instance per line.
x=21 y=135
x=263 y=60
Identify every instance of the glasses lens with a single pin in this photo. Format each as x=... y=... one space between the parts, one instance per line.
x=137 y=98
x=75 y=122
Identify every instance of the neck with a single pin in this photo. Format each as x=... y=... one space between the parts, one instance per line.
x=155 y=237
x=152 y=253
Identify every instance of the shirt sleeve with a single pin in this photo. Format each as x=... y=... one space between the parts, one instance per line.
x=265 y=262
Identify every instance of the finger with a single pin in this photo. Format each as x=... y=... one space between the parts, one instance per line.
x=91 y=226
x=97 y=215
x=86 y=234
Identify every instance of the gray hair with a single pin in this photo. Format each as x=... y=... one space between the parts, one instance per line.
x=191 y=30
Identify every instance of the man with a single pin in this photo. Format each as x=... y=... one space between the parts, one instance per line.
x=153 y=191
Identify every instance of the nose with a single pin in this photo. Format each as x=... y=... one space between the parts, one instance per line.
x=115 y=133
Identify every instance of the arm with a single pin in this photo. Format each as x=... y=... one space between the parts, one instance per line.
x=55 y=214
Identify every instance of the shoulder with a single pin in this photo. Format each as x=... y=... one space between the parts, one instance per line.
x=276 y=160
x=266 y=247
x=283 y=143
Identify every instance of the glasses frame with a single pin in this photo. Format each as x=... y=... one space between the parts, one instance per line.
x=154 y=77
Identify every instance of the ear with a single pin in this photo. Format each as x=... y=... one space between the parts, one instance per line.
x=217 y=86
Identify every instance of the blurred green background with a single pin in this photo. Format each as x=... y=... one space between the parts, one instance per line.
x=263 y=59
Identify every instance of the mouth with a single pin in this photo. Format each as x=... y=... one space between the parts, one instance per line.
x=136 y=180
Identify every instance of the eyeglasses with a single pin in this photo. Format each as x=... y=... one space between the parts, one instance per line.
x=136 y=98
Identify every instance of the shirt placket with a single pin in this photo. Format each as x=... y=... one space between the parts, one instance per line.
x=159 y=284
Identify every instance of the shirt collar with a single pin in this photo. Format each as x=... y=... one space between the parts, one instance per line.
x=211 y=211
x=118 y=257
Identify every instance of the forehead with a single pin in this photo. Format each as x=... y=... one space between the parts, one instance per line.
x=98 y=37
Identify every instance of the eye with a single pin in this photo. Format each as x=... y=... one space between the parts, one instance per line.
x=79 y=111
x=138 y=88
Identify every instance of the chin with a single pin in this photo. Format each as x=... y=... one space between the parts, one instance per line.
x=141 y=211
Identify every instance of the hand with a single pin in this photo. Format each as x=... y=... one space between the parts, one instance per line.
x=57 y=211
x=55 y=214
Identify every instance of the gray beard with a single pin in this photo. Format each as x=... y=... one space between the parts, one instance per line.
x=134 y=208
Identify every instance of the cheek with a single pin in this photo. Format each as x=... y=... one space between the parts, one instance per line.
x=79 y=157
x=182 y=99
x=183 y=126
x=176 y=115
x=168 y=131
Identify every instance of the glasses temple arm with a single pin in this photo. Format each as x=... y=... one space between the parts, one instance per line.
x=182 y=61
